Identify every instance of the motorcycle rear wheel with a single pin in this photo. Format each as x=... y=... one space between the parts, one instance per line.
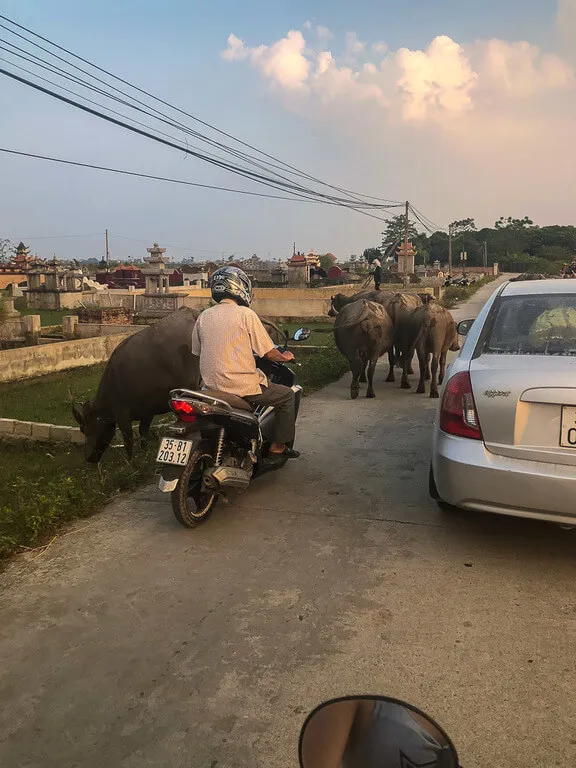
x=192 y=506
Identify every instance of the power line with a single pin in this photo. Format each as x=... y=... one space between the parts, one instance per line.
x=146 y=93
x=155 y=178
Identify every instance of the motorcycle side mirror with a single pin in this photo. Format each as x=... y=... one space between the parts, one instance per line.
x=373 y=730
x=302 y=334
x=464 y=326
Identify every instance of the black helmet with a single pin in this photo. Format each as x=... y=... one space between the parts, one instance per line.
x=232 y=283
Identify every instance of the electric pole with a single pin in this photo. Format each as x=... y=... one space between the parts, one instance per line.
x=406 y=230
x=107 y=252
x=485 y=255
x=449 y=249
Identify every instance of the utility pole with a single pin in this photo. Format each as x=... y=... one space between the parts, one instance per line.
x=449 y=249
x=406 y=230
x=485 y=255
x=107 y=252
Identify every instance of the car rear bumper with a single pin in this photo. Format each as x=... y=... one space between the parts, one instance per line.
x=467 y=475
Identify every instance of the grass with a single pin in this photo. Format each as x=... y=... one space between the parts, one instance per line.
x=43 y=486
x=46 y=399
x=456 y=293
x=47 y=316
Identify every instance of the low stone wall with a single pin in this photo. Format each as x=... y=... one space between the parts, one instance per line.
x=28 y=362
x=32 y=430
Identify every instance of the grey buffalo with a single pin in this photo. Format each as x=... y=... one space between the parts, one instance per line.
x=429 y=330
x=137 y=380
x=364 y=332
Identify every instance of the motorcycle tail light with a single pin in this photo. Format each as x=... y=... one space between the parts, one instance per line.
x=184 y=411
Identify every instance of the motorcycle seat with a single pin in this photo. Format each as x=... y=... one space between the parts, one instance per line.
x=233 y=400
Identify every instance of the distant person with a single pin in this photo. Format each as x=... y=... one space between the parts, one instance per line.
x=377 y=273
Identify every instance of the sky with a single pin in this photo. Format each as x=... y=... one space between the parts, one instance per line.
x=465 y=109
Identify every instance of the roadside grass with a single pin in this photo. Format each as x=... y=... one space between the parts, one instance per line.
x=45 y=485
x=456 y=293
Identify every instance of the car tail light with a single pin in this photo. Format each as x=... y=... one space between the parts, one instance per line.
x=458 y=415
x=183 y=410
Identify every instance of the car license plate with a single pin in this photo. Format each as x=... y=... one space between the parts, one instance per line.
x=174 y=451
x=568 y=428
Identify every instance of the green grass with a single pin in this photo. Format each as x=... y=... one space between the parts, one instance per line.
x=44 y=486
x=47 y=316
x=46 y=399
x=456 y=293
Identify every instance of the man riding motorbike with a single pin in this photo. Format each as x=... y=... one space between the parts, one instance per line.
x=226 y=337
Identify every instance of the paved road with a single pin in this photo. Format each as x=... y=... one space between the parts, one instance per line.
x=133 y=642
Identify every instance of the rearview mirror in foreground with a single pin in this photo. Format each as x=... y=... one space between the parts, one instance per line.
x=302 y=334
x=373 y=731
x=464 y=326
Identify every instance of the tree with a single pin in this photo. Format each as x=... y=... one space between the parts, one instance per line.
x=327 y=260
x=372 y=253
x=464 y=225
x=510 y=223
x=395 y=232
x=5 y=248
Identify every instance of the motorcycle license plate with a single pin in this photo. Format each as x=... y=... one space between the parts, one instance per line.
x=174 y=451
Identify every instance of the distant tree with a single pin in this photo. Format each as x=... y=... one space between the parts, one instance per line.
x=6 y=248
x=511 y=223
x=464 y=225
x=556 y=253
x=372 y=253
x=327 y=260
x=395 y=232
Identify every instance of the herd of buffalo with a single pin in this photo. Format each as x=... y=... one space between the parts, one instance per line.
x=146 y=366
x=373 y=323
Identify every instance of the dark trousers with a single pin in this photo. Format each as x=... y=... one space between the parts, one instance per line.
x=283 y=401
x=377 y=278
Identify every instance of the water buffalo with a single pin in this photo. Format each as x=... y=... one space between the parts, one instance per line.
x=364 y=332
x=339 y=301
x=137 y=380
x=428 y=330
x=399 y=308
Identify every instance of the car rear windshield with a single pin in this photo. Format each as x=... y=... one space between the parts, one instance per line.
x=533 y=325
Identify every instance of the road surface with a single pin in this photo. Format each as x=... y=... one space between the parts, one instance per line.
x=135 y=643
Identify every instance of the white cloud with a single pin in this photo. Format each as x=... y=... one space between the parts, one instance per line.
x=307 y=25
x=354 y=46
x=440 y=77
x=282 y=63
x=324 y=35
x=379 y=47
x=522 y=70
x=440 y=83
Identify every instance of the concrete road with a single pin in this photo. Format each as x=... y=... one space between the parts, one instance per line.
x=133 y=642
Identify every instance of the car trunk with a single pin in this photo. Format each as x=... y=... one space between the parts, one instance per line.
x=526 y=406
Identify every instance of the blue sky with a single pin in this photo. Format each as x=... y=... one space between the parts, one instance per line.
x=174 y=49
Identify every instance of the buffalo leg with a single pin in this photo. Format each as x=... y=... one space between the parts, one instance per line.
x=125 y=425
x=427 y=368
x=371 y=368
x=423 y=363
x=434 y=381
x=442 y=368
x=391 y=362
x=144 y=429
x=410 y=366
x=405 y=384
x=363 y=378
x=356 y=367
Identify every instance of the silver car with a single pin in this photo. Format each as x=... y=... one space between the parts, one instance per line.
x=505 y=436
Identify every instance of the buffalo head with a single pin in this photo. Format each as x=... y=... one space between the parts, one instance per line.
x=97 y=428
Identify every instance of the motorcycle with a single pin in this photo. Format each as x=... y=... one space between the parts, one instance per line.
x=373 y=731
x=219 y=443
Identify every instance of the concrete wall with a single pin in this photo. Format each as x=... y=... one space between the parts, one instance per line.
x=90 y=330
x=27 y=362
x=14 y=429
